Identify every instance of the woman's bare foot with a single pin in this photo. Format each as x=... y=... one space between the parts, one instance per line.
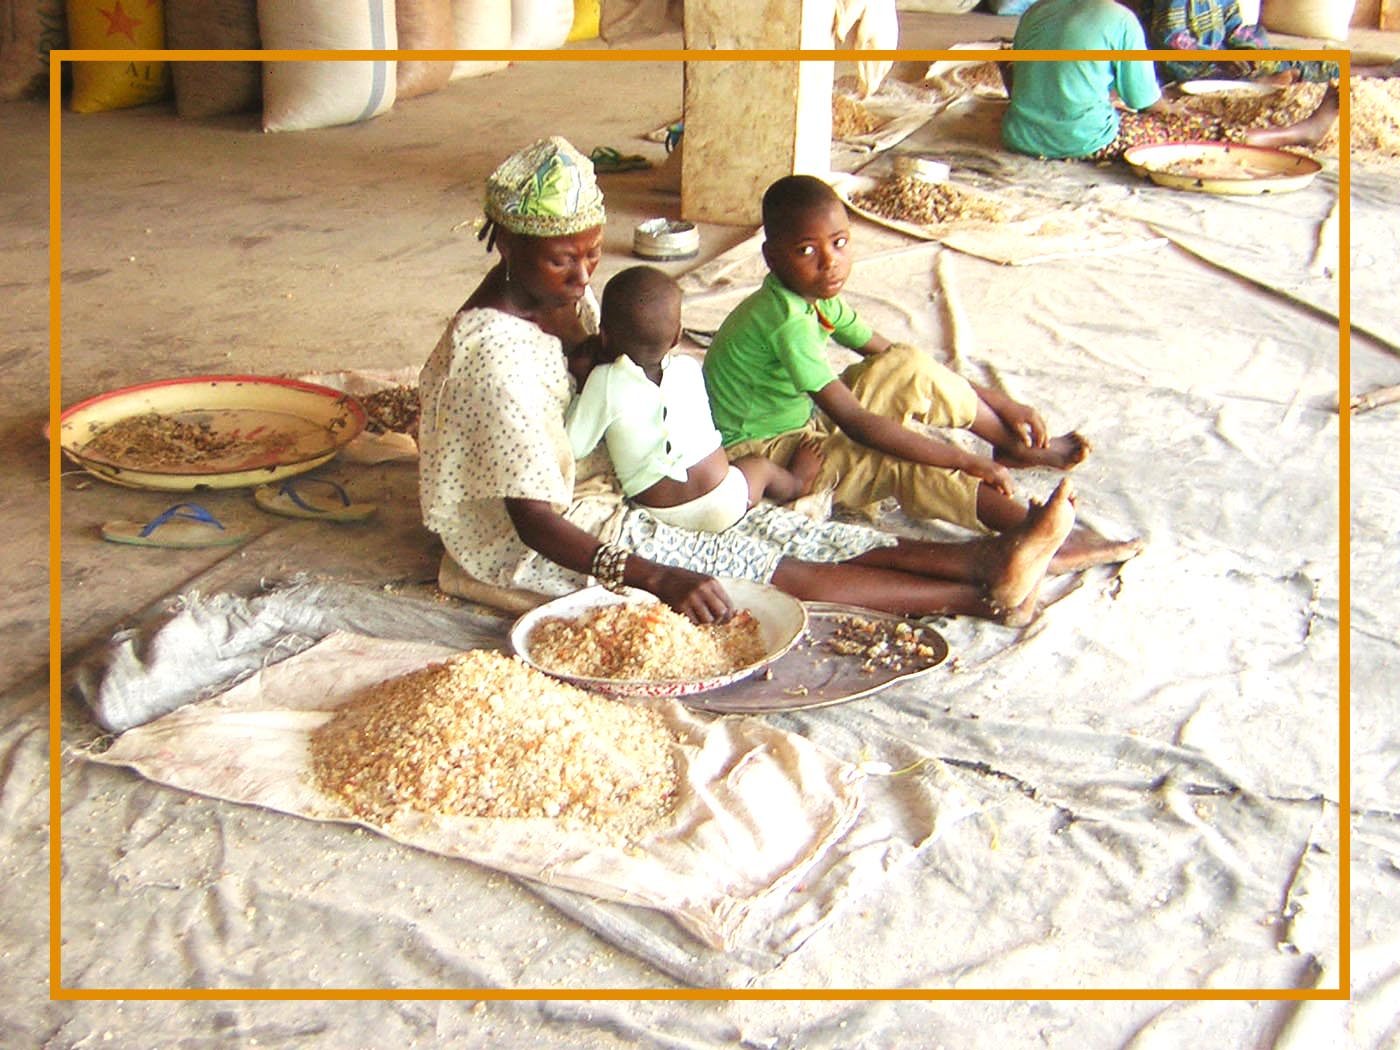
x=806 y=463
x=1060 y=453
x=1024 y=614
x=1029 y=548
x=1086 y=548
x=1307 y=132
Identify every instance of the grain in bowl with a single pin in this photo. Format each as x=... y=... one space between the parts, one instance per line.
x=644 y=641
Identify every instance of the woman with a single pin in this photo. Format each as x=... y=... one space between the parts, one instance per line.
x=513 y=508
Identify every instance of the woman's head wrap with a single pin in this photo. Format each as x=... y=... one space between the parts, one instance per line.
x=545 y=190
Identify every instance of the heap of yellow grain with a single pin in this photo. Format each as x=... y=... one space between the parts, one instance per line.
x=484 y=735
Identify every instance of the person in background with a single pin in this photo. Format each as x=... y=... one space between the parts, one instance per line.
x=1218 y=25
x=1097 y=109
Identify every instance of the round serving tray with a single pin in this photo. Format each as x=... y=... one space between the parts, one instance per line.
x=272 y=428
x=1223 y=167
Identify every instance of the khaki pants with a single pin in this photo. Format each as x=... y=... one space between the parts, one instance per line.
x=907 y=385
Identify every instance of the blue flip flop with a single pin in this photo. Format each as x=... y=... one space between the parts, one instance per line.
x=184 y=525
x=292 y=500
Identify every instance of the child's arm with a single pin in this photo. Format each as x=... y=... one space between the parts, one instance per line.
x=876 y=344
x=588 y=417
x=1022 y=420
x=885 y=435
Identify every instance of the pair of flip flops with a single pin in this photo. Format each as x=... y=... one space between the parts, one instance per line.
x=190 y=526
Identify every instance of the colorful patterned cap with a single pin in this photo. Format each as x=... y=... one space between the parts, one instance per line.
x=545 y=190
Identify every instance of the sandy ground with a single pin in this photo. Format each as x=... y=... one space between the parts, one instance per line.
x=209 y=247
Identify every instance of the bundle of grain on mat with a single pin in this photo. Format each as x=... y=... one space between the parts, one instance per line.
x=910 y=199
x=484 y=735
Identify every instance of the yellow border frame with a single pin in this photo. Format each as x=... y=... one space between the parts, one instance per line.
x=57 y=991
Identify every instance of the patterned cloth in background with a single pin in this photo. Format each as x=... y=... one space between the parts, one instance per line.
x=1217 y=25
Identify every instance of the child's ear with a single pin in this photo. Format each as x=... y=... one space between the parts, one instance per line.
x=767 y=256
x=677 y=340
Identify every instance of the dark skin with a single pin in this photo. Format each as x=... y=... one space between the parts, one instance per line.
x=997 y=577
x=548 y=276
x=812 y=257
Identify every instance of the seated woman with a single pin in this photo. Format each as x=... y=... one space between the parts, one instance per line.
x=1218 y=25
x=514 y=509
x=1070 y=108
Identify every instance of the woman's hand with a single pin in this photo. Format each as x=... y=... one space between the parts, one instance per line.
x=690 y=593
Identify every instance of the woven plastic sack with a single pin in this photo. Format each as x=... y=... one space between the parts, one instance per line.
x=424 y=25
x=540 y=25
x=1321 y=19
x=208 y=89
x=301 y=95
x=28 y=31
x=480 y=25
x=120 y=24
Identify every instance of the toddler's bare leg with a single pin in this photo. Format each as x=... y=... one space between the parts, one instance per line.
x=1082 y=549
x=781 y=484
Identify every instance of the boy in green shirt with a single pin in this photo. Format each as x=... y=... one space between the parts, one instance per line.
x=766 y=374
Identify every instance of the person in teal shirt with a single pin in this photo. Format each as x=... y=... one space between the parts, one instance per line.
x=1066 y=108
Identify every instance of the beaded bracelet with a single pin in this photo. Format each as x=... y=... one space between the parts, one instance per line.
x=609 y=566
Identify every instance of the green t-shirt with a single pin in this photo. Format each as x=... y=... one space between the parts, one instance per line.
x=1062 y=109
x=769 y=357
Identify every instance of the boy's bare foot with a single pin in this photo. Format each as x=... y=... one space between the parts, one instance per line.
x=1029 y=549
x=1060 y=453
x=1085 y=548
x=806 y=463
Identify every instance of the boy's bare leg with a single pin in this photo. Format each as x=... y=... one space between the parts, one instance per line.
x=1011 y=449
x=806 y=464
x=1082 y=549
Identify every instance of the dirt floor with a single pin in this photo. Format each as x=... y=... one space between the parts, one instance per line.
x=194 y=247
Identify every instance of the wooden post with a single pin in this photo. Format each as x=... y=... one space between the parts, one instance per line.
x=749 y=123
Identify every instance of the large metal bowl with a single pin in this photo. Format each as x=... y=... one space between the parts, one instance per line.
x=782 y=619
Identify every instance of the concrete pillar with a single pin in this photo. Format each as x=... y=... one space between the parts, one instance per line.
x=749 y=123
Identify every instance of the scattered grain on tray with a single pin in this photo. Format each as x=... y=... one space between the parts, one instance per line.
x=850 y=118
x=923 y=203
x=896 y=645
x=392 y=410
x=645 y=641
x=152 y=441
x=485 y=735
